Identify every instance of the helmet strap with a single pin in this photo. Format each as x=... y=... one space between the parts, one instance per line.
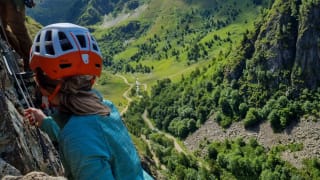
x=55 y=92
x=93 y=80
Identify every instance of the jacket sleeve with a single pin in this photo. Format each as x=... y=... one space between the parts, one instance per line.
x=51 y=128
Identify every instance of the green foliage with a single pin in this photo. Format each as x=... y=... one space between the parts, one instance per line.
x=312 y=168
x=181 y=128
x=225 y=106
x=78 y=11
x=283 y=112
x=133 y=119
x=162 y=140
x=212 y=152
x=243 y=108
x=252 y=118
x=251 y=161
x=241 y=80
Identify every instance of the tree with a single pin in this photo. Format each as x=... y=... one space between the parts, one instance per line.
x=243 y=108
x=225 y=106
x=179 y=172
x=252 y=118
x=212 y=152
x=209 y=86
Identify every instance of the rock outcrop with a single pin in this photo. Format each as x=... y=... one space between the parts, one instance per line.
x=33 y=176
x=287 y=46
x=23 y=148
x=307 y=61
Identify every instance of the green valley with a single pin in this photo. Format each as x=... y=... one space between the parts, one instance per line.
x=189 y=62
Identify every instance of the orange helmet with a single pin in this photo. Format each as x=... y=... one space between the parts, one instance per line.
x=63 y=49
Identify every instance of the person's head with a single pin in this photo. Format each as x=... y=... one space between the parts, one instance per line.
x=63 y=50
x=66 y=59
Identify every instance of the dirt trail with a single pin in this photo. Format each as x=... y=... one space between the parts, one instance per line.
x=150 y=125
x=125 y=94
x=144 y=115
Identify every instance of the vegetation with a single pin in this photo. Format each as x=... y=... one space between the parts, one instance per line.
x=78 y=11
x=224 y=61
x=237 y=86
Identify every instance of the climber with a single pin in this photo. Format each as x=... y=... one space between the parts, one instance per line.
x=12 y=14
x=93 y=141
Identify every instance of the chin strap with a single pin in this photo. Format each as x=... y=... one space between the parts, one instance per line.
x=93 y=80
x=55 y=92
x=45 y=105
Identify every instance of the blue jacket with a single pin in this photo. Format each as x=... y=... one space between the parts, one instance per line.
x=96 y=147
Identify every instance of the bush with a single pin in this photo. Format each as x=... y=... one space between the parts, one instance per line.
x=252 y=118
x=243 y=108
x=212 y=152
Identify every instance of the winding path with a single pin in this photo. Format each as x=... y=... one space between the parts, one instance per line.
x=145 y=115
x=150 y=125
x=125 y=94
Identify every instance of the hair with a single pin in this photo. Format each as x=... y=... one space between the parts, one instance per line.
x=75 y=94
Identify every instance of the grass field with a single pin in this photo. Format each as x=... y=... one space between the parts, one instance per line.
x=164 y=17
x=112 y=88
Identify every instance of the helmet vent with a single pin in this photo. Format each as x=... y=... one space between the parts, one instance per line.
x=94 y=46
x=37 y=49
x=63 y=66
x=48 y=36
x=64 y=42
x=49 y=49
x=38 y=38
x=82 y=41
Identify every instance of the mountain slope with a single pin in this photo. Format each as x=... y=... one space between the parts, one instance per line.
x=169 y=36
x=253 y=83
x=78 y=11
x=224 y=61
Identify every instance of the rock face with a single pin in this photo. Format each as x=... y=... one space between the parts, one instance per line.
x=287 y=46
x=6 y=168
x=20 y=148
x=33 y=176
x=307 y=61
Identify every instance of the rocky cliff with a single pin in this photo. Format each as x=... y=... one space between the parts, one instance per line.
x=307 y=60
x=287 y=46
x=22 y=148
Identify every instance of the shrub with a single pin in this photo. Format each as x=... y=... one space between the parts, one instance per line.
x=252 y=118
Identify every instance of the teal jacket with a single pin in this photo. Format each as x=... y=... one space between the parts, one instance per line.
x=96 y=147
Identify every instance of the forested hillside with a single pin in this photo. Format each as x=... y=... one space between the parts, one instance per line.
x=270 y=76
x=82 y=12
x=249 y=62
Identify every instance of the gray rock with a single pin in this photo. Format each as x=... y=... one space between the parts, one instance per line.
x=34 y=176
x=6 y=168
x=20 y=147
